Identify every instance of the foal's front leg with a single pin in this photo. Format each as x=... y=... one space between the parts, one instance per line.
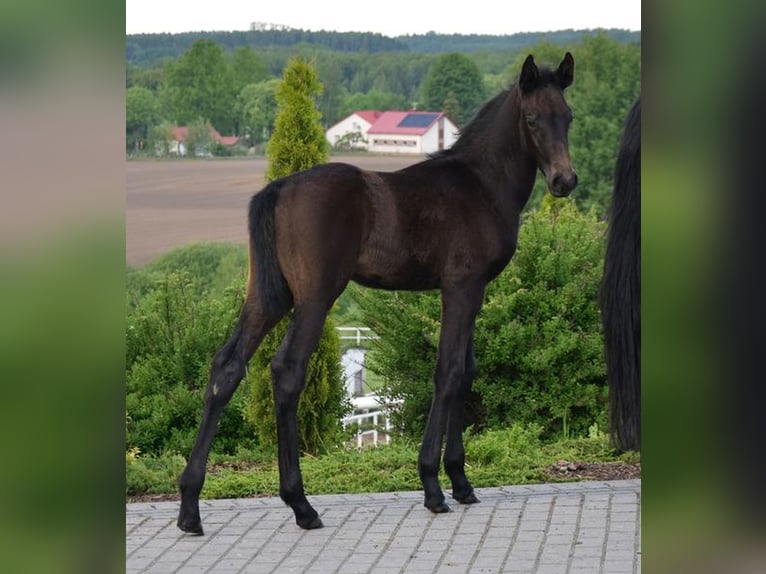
x=454 y=451
x=459 y=309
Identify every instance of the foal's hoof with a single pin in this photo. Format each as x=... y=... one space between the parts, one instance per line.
x=439 y=508
x=191 y=526
x=470 y=498
x=309 y=523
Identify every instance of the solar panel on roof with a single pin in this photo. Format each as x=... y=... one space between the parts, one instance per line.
x=417 y=120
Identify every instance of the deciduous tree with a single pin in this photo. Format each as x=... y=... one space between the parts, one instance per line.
x=454 y=76
x=142 y=112
x=200 y=85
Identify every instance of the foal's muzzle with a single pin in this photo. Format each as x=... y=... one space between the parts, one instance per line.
x=562 y=182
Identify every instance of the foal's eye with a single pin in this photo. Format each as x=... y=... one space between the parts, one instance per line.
x=531 y=121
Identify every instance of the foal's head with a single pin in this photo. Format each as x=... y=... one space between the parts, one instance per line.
x=545 y=119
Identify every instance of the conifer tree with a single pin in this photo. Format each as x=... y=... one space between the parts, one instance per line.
x=298 y=141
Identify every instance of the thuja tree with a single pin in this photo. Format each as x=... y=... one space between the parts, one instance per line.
x=298 y=143
x=538 y=337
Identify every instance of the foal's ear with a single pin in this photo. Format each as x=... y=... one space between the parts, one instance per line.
x=565 y=71
x=529 y=75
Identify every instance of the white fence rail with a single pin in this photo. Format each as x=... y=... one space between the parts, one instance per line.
x=357 y=334
x=375 y=435
x=372 y=420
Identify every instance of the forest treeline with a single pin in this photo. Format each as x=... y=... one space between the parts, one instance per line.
x=149 y=49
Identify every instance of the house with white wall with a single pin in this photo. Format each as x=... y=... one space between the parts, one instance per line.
x=177 y=144
x=351 y=131
x=410 y=132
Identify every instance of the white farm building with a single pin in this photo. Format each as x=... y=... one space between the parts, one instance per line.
x=398 y=132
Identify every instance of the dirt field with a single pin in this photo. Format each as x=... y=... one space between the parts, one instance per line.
x=171 y=203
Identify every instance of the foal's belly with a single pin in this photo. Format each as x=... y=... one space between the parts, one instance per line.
x=394 y=270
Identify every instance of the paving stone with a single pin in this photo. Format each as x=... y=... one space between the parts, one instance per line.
x=536 y=529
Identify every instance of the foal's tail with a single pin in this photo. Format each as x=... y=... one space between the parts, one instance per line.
x=273 y=293
x=620 y=293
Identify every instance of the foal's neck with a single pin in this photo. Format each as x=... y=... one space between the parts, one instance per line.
x=513 y=167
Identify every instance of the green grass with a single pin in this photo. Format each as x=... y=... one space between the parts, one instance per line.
x=510 y=456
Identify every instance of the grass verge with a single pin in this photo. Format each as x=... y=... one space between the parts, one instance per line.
x=502 y=457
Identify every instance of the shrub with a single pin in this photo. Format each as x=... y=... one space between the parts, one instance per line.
x=539 y=333
x=211 y=268
x=171 y=337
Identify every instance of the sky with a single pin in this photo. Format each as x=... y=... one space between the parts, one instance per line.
x=387 y=17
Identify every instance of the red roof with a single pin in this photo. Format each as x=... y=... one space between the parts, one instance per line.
x=370 y=116
x=415 y=123
x=180 y=133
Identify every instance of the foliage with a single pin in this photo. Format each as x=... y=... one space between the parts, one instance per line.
x=257 y=110
x=180 y=309
x=200 y=85
x=142 y=111
x=213 y=267
x=456 y=79
x=247 y=68
x=322 y=403
x=373 y=100
x=146 y=50
x=171 y=336
x=199 y=141
x=298 y=140
x=160 y=140
x=540 y=332
x=608 y=81
x=152 y=474
x=516 y=455
x=404 y=355
x=349 y=141
x=538 y=337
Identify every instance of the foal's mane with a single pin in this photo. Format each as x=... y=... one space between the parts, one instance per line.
x=483 y=126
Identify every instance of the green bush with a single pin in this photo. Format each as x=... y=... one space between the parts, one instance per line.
x=171 y=337
x=211 y=266
x=539 y=333
x=322 y=404
x=538 y=337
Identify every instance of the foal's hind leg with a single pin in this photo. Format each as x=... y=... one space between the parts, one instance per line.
x=225 y=375
x=459 y=309
x=288 y=371
x=454 y=451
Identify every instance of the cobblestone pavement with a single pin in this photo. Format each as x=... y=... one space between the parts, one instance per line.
x=563 y=528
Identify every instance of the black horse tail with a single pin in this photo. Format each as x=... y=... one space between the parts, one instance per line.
x=620 y=291
x=273 y=293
